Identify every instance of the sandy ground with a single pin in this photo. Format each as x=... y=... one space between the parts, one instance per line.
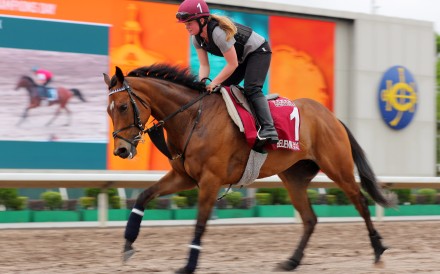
x=71 y=70
x=334 y=248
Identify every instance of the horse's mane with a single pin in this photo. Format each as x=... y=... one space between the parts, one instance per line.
x=28 y=78
x=170 y=73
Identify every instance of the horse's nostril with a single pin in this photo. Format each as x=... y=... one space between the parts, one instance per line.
x=122 y=152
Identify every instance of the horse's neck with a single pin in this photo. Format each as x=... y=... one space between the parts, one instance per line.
x=32 y=89
x=165 y=99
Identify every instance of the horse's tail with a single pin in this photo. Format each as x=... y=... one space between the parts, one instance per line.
x=366 y=174
x=78 y=94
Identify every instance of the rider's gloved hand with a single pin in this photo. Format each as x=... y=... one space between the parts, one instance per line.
x=212 y=87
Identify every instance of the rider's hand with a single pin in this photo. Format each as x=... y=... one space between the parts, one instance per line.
x=212 y=86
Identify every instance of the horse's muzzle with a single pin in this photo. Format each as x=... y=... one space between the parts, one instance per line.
x=125 y=152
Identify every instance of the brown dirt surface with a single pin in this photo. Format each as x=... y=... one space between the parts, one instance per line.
x=334 y=248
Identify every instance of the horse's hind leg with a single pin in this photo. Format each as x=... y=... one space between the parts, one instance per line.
x=57 y=113
x=344 y=178
x=358 y=199
x=296 y=179
x=69 y=116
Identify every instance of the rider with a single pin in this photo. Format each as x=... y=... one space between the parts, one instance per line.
x=247 y=56
x=43 y=77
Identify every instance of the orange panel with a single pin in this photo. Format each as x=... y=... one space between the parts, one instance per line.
x=146 y=34
x=303 y=58
x=101 y=11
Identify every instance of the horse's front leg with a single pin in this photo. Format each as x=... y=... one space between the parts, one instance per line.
x=25 y=114
x=172 y=182
x=206 y=201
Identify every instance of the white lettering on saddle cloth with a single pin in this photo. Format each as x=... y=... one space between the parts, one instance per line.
x=283 y=103
x=288 y=144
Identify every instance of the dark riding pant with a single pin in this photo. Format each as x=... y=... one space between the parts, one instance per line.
x=254 y=71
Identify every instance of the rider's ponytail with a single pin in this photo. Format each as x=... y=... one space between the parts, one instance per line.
x=226 y=24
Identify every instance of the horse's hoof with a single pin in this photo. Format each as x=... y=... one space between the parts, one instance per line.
x=379 y=265
x=183 y=270
x=378 y=253
x=288 y=265
x=128 y=252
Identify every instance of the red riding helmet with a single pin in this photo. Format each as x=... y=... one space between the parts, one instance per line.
x=191 y=10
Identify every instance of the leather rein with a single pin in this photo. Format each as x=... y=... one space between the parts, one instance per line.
x=156 y=131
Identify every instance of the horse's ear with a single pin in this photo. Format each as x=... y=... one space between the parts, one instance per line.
x=119 y=75
x=106 y=79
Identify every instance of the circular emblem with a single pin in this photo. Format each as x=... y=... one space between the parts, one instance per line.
x=397 y=97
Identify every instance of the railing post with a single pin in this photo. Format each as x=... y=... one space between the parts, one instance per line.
x=379 y=213
x=298 y=218
x=103 y=207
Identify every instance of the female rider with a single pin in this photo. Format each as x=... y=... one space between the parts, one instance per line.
x=247 y=56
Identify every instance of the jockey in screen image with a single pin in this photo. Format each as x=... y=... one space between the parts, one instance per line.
x=43 y=78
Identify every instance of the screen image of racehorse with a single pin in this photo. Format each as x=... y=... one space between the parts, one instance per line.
x=207 y=151
x=48 y=95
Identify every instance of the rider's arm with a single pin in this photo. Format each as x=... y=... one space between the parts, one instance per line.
x=204 y=68
x=231 y=64
x=227 y=48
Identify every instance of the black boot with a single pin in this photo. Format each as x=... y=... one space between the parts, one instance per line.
x=42 y=92
x=267 y=130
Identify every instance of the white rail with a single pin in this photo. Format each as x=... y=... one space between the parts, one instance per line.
x=118 y=179
x=130 y=179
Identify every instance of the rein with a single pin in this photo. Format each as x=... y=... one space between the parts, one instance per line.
x=156 y=131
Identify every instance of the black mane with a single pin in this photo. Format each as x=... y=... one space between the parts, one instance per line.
x=170 y=73
x=28 y=78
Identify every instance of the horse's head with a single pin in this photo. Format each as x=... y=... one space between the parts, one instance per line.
x=25 y=82
x=123 y=109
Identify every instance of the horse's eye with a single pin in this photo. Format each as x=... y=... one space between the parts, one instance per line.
x=123 y=108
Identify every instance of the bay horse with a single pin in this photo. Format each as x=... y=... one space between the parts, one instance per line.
x=208 y=151
x=63 y=97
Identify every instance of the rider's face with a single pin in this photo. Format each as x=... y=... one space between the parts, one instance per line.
x=192 y=27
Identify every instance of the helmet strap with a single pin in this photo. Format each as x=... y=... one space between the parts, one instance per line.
x=201 y=25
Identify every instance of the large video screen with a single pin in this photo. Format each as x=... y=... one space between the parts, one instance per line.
x=71 y=107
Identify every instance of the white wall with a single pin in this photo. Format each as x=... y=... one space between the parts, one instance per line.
x=378 y=44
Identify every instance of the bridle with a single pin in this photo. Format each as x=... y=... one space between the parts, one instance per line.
x=136 y=114
x=156 y=131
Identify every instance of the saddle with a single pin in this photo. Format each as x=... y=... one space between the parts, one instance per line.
x=242 y=115
x=284 y=112
x=238 y=93
x=47 y=93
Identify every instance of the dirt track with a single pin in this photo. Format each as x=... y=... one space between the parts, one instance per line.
x=334 y=248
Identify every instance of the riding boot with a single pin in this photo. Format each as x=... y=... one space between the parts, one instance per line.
x=267 y=130
x=42 y=92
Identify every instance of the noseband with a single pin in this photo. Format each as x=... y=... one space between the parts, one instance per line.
x=136 y=114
